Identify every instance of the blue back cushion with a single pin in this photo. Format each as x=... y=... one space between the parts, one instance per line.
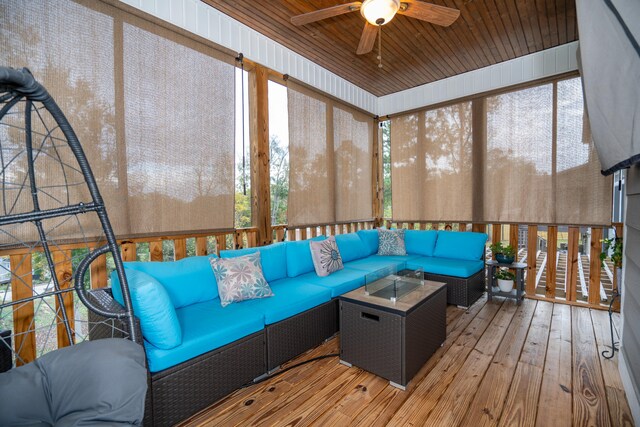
x=299 y=259
x=351 y=247
x=272 y=257
x=187 y=281
x=370 y=239
x=460 y=245
x=152 y=305
x=420 y=242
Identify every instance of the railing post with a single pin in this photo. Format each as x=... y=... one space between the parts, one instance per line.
x=201 y=245
x=595 y=269
x=552 y=251
x=252 y=238
x=179 y=248
x=128 y=250
x=237 y=240
x=221 y=243
x=23 y=320
x=532 y=246
x=62 y=261
x=155 y=250
x=496 y=236
x=572 y=263
x=513 y=237
x=479 y=228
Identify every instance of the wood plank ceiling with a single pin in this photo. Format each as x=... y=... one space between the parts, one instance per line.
x=413 y=52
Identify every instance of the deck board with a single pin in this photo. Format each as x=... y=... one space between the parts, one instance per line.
x=487 y=405
x=589 y=395
x=555 y=392
x=500 y=365
x=619 y=410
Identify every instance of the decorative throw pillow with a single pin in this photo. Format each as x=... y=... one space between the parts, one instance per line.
x=391 y=242
x=240 y=279
x=326 y=256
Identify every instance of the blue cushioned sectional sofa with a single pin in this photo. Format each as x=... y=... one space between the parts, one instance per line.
x=220 y=349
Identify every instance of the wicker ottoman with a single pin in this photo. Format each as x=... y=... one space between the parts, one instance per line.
x=392 y=340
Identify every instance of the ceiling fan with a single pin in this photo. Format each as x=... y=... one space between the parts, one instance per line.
x=379 y=12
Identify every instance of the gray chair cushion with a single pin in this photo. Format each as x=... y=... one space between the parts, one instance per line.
x=100 y=382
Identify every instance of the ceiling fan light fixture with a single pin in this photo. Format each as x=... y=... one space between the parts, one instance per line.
x=379 y=12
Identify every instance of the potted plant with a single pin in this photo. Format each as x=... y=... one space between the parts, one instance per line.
x=503 y=254
x=614 y=245
x=505 y=279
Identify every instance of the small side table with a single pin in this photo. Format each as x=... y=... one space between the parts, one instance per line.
x=493 y=289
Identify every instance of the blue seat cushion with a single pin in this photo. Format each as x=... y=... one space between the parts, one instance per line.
x=377 y=262
x=291 y=296
x=447 y=266
x=187 y=281
x=460 y=245
x=205 y=327
x=351 y=247
x=299 y=259
x=152 y=305
x=370 y=239
x=273 y=259
x=420 y=242
x=339 y=282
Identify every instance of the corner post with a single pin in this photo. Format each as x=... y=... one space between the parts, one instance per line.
x=260 y=175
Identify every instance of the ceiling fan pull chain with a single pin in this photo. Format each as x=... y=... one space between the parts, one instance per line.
x=379 y=46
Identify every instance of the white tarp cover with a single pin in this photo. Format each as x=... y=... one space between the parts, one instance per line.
x=610 y=67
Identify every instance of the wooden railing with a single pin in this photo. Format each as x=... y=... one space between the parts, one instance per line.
x=570 y=274
x=22 y=281
x=309 y=231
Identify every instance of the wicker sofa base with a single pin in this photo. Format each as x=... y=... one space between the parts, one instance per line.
x=295 y=335
x=181 y=391
x=462 y=291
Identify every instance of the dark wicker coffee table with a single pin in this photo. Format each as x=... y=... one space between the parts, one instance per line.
x=393 y=339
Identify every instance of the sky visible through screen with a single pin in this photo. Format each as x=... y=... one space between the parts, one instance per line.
x=278 y=116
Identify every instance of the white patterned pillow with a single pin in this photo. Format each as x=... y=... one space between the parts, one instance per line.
x=326 y=256
x=240 y=279
x=391 y=242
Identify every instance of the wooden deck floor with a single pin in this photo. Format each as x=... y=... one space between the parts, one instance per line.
x=536 y=364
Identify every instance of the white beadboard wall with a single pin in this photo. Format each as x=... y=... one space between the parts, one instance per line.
x=208 y=22
x=546 y=63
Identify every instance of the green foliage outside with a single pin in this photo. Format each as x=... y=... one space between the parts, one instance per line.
x=243 y=200
x=386 y=168
x=614 y=245
x=279 y=158
x=279 y=173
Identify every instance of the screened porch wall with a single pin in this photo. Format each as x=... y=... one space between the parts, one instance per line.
x=139 y=96
x=331 y=158
x=524 y=156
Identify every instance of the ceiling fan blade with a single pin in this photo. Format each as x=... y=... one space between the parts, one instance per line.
x=368 y=39
x=329 y=12
x=433 y=13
